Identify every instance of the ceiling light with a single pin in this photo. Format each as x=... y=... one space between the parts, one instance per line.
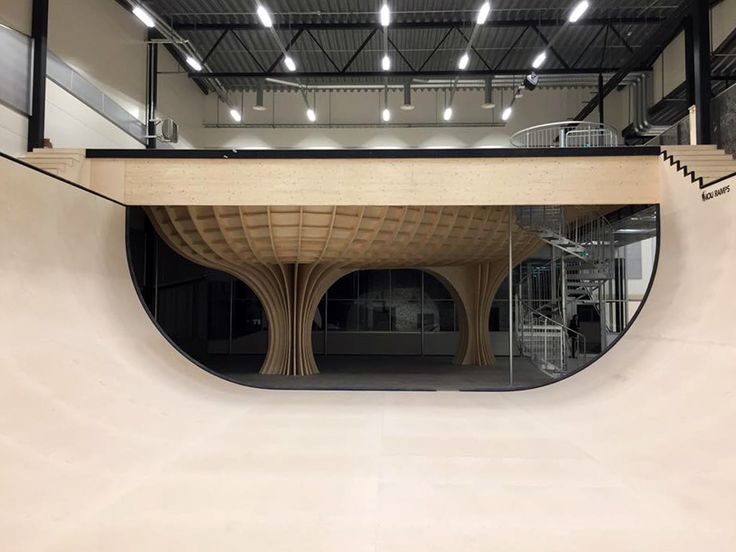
x=464 y=60
x=259 y=99
x=264 y=16
x=289 y=62
x=578 y=11
x=488 y=95
x=483 y=13
x=407 y=105
x=506 y=115
x=311 y=115
x=386 y=63
x=386 y=115
x=385 y=15
x=447 y=115
x=235 y=114
x=194 y=64
x=539 y=60
x=144 y=16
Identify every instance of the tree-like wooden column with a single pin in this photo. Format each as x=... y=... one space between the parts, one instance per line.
x=290 y=255
x=298 y=292
x=473 y=288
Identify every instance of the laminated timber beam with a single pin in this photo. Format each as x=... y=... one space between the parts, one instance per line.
x=583 y=180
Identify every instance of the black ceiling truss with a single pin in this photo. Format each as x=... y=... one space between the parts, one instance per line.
x=281 y=56
x=372 y=25
x=473 y=48
x=359 y=50
x=401 y=54
x=321 y=48
x=549 y=45
x=643 y=56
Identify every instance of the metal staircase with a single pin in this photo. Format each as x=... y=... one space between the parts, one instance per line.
x=581 y=270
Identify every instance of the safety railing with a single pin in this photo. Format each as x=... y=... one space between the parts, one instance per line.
x=567 y=134
x=545 y=341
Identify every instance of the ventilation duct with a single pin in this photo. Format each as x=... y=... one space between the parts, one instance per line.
x=640 y=97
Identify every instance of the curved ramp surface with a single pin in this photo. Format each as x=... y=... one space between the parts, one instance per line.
x=110 y=440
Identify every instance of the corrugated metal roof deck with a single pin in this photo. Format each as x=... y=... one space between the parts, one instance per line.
x=496 y=48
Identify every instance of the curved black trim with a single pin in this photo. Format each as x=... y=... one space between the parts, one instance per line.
x=424 y=390
x=59 y=178
x=356 y=153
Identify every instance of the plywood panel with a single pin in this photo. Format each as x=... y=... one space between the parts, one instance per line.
x=506 y=181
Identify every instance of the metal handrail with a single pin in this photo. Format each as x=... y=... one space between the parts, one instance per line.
x=529 y=312
x=554 y=135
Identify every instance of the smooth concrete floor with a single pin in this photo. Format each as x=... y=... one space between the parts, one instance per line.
x=386 y=373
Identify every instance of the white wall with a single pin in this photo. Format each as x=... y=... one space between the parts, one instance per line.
x=723 y=21
x=180 y=99
x=106 y=44
x=71 y=124
x=13 y=131
x=536 y=107
x=16 y=14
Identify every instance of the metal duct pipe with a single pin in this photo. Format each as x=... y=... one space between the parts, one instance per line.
x=640 y=95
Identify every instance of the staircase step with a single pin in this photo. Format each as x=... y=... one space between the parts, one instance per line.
x=690 y=147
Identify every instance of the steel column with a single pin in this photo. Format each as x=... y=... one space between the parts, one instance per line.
x=151 y=94
x=39 y=34
x=601 y=99
x=701 y=66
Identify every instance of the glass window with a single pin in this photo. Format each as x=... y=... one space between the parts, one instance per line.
x=345 y=288
x=342 y=315
x=434 y=289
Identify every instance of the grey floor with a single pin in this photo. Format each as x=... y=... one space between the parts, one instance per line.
x=348 y=372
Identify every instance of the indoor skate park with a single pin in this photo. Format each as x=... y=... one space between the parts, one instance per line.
x=366 y=275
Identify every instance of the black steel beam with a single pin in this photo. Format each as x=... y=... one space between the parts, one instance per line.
x=551 y=48
x=316 y=26
x=689 y=62
x=380 y=74
x=39 y=34
x=319 y=45
x=644 y=56
x=360 y=49
x=281 y=56
x=437 y=47
x=214 y=46
x=701 y=67
x=151 y=94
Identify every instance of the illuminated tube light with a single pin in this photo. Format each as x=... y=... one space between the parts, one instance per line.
x=539 y=60
x=386 y=63
x=289 y=62
x=235 y=114
x=386 y=115
x=447 y=115
x=311 y=115
x=144 y=16
x=385 y=15
x=464 y=60
x=578 y=11
x=264 y=16
x=506 y=115
x=483 y=13
x=194 y=64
